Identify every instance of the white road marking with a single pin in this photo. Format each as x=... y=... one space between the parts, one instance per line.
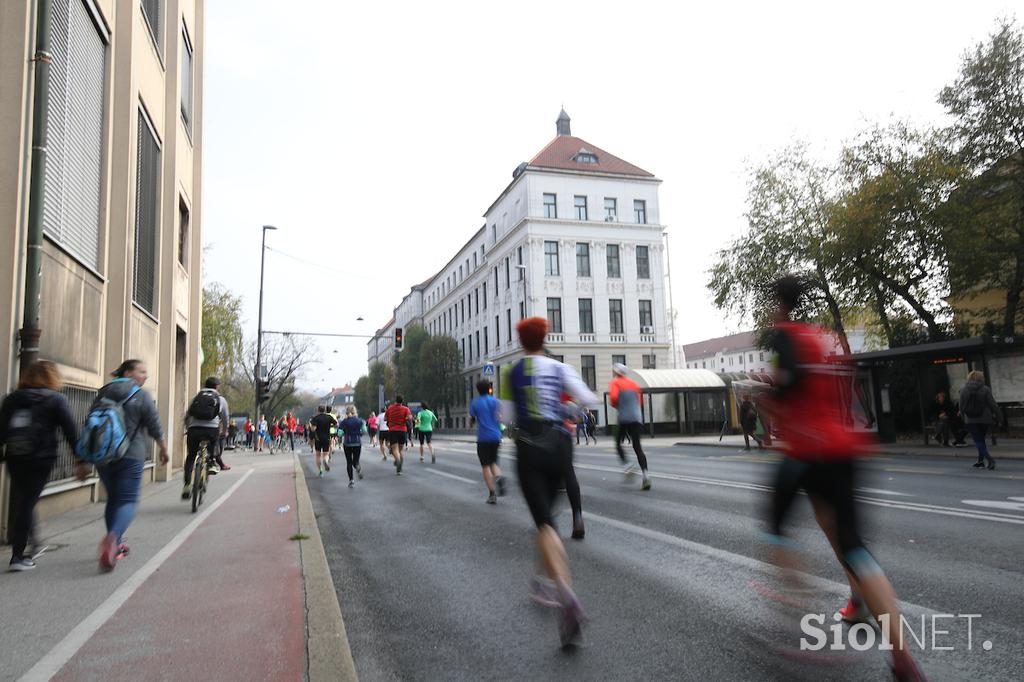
x=50 y=664
x=879 y=491
x=997 y=504
x=453 y=476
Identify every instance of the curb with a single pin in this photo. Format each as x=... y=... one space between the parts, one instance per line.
x=328 y=656
x=968 y=452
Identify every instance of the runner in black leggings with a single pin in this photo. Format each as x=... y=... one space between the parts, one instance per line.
x=532 y=391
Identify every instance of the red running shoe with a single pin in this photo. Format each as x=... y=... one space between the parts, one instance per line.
x=855 y=612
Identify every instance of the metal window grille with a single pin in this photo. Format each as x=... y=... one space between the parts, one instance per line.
x=80 y=400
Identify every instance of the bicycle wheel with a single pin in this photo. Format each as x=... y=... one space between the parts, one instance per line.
x=198 y=478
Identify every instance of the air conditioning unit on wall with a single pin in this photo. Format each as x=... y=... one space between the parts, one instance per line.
x=646 y=330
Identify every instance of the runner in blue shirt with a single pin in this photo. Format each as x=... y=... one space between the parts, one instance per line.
x=485 y=412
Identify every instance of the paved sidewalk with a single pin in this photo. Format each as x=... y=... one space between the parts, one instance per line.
x=223 y=594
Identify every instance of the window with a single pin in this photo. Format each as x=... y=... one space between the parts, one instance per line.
x=610 y=209
x=474 y=260
x=497 y=331
x=586 y=316
x=186 y=81
x=519 y=260
x=153 y=13
x=550 y=206
x=495 y=281
x=487 y=343
x=643 y=262
x=183 y=227
x=460 y=273
x=620 y=359
x=494 y=234
x=761 y=356
x=640 y=211
x=580 y=206
x=74 y=128
x=484 y=288
x=556 y=358
x=522 y=310
x=650 y=362
x=478 y=344
x=551 y=259
x=751 y=357
x=588 y=367
x=508 y=325
x=614 y=270
x=646 y=314
x=584 y=156
x=615 y=315
x=147 y=216
x=508 y=279
x=476 y=301
x=583 y=260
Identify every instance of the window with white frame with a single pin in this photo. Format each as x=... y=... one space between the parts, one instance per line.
x=555 y=315
x=580 y=207
x=186 y=80
x=646 y=314
x=614 y=266
x=550 y=206
x=643 y=262
x=153 y=13
x=610 y=209
x=582 y=259
x=640 y=211
x=586 y=306
x=551 y=259
x=147 y=216
x=615 y=315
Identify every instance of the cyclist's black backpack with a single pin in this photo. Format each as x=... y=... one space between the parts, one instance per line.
x=205 y=406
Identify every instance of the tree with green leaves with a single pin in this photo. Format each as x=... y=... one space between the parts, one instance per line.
x=379 y=374
x=887 y=227
x=222 y=340
x=441 y=364
x=986 y=102
x=790 y=200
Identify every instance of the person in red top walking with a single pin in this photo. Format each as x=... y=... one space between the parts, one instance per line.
x=398 y=417
x=812 y=390
x=248 y=433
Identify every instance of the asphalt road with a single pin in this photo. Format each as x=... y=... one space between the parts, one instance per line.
x=432 y=582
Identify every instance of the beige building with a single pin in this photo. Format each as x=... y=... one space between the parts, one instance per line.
x=118 y=189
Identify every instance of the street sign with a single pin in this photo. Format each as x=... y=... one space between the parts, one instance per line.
x=488 y=370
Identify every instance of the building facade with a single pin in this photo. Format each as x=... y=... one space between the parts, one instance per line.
x=741 y=352
x=118 y=189
x=575 y=237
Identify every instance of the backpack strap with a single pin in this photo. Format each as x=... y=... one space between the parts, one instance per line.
x=131 y=394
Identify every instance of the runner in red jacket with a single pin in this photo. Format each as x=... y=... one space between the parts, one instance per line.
x=821 y=450
x=398 y=417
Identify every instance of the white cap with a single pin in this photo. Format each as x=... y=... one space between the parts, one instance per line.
x=619 y=369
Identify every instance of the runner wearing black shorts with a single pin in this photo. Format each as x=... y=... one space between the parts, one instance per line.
x=532 y=390
x=485 y=414
x=322 y=424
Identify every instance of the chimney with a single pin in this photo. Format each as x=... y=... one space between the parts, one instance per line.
x=562 y=124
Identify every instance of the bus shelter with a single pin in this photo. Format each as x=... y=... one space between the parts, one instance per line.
x=679 y=400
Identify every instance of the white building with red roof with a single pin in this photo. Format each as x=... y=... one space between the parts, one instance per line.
x=576 y=237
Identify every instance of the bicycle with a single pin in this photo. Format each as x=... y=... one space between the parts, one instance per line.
x=200 y=475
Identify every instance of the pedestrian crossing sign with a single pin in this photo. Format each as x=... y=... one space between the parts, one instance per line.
x=489 y=369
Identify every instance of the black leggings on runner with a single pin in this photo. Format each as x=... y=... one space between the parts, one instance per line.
x=352 y=458
x=543 y=462
x=830 y=483
x=572 y=489
x=633 y=431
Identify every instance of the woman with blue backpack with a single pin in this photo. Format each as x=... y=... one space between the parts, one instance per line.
x=120 y=459
x=29 y=420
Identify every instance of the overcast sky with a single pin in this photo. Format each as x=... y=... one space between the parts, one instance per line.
x=375 y=134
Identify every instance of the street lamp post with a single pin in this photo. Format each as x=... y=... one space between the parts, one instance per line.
x=259 y=324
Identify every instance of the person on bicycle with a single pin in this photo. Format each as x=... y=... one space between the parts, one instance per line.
x=207 y=419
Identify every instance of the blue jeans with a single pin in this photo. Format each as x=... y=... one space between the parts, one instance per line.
x=978 y=432
x=123 y=480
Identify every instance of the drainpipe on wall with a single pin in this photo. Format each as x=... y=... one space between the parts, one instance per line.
x=30 y=332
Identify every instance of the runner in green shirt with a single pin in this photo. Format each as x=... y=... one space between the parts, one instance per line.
x=425 y=421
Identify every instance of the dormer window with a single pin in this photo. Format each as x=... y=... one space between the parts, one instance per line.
x=585 y=156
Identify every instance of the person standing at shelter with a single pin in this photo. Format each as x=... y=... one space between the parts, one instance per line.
x=624 y=395
x=980 y=412
x=748 y=422
x=30 y=418
x=123 y=477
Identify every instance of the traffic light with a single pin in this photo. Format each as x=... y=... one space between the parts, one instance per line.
x=490 y=389
x=262 y=390
x=398 y=338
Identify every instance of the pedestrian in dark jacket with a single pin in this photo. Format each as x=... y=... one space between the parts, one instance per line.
x=979 y=411
x=29 y=420
x=748 y=422
x=123 y=478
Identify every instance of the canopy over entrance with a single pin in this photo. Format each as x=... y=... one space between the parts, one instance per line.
x=673 y=380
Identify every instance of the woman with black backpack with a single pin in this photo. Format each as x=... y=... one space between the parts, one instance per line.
x=123 y=477
x=29 y=419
